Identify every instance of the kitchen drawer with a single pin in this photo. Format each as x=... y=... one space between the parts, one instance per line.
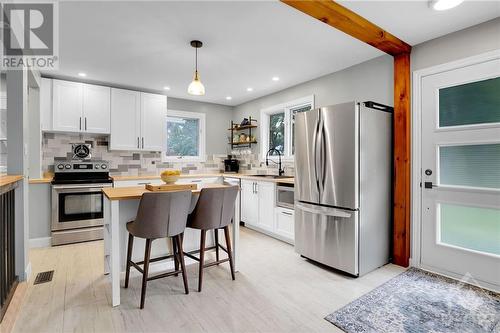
x=284 y=223
x=138 y=182
x=203 y=180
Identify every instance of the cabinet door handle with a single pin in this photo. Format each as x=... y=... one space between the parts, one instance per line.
x=145 y=183
x=253 y=187
x=85 y=123
x=142 y=142
x=286 y=213
x=80 y=124
x=256 y=188
x=137 y=142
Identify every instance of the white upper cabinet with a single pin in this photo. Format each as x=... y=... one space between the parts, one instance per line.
x=46 y=104
x=153 y=117
x=79 y=107
x=96 y=109
x=125 y=119
x=137 y=120
x=67 y=106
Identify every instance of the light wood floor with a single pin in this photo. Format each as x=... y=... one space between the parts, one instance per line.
x=275 y=291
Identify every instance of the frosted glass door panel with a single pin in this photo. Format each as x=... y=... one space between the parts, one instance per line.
x=471 y=228
x=470 y=165
x=470 y=104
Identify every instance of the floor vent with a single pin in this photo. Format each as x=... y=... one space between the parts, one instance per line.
x=44 y=277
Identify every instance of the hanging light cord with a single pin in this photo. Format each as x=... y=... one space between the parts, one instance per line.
x=196 y=59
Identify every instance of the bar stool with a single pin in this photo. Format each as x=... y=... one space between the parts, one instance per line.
x=160 y=215
x=214 y=210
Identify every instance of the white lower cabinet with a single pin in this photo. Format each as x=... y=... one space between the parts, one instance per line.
x=284 y=223
x=259 y=211
x=266 y=192
x=249 y=210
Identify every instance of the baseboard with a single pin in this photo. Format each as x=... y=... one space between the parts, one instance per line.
x=40 y=242
x=27 y=272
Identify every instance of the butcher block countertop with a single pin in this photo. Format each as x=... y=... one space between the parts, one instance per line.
x=9 y=179
x=136 y=192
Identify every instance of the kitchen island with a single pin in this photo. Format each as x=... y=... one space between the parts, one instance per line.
x=120 y=207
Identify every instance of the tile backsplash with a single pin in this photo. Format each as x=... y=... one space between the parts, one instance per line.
x=129 y=163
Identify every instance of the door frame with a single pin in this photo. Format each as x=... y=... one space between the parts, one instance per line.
x=416 y=189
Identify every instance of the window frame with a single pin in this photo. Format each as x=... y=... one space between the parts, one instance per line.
x=201 y=117
x=264 y=128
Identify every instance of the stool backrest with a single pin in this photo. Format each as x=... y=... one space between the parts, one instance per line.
x=215 y=208
x=162 y=214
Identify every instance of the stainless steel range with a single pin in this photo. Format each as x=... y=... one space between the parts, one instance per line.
x=77 y=200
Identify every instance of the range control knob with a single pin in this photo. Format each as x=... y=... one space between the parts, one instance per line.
x=68 y=166
x=96 y=166
x=60 y=166
x=104 y=166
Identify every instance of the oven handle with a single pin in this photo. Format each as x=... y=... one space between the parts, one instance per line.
x=76 y=187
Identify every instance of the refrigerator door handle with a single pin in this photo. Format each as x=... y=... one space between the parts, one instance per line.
x=317 y=155
x=323 y=157
x=322 y=210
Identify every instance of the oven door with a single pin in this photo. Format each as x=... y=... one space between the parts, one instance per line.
x=77 y=206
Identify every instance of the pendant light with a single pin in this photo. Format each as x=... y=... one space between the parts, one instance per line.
x=196 y=87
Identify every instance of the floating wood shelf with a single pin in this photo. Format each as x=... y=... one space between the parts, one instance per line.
x=242 y=128
x=242 y=143
x=237 y=128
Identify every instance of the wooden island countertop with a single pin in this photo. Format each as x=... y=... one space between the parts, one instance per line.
x=9 y=179
x=136 y=192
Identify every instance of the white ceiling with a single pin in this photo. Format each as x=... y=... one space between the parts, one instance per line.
x=414 y=22
x=146 y=44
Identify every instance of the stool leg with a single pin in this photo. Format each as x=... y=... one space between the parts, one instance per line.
x=129 y=258
x=147 y=255
x=202 y=259
x=175 y=248
x=183 y=266
x=216 y=238
x=229 y=251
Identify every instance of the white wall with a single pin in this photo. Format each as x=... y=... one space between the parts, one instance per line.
x=458 y=45
x=370 y=80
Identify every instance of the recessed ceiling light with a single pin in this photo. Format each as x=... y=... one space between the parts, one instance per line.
x=444 y=4
x=249 y=89
x=229 y=98
x=82 y=74
x=166 y=88
x=275 y=78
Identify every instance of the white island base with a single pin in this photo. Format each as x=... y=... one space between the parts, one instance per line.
x=118 y=210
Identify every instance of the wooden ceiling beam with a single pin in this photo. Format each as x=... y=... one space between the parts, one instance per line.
x=349 y=22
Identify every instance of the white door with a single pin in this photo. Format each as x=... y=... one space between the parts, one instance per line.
x=125 y=119
x=67 y=106
x=46 y=104
x=96 y=109
x=266 y=193
x=153 y=117
x=461 y=173
x=249 y=202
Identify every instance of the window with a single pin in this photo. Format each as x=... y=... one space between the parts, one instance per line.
x=185 y=136
x=278 y=125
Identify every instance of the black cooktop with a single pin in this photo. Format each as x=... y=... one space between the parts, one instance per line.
x=82 y=178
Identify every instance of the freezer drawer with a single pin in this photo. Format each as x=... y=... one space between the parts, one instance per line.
x=328 y=236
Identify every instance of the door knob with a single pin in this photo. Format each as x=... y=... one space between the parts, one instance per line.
x=429 y=185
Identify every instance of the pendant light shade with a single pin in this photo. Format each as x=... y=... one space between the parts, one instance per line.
x=196 y=87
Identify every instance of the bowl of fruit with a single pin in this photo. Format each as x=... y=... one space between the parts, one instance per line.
x=170 y=176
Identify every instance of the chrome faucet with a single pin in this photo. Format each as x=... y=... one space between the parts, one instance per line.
x=281 y=171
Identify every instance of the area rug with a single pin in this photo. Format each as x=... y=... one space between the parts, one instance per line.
x=418 y=301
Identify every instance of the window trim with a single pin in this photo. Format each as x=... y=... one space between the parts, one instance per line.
x=264 y=127
x=202 y=156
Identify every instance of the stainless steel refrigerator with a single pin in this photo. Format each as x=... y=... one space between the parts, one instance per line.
x=343 y=188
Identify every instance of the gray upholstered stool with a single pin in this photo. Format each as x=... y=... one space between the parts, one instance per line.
x=160 y=215
x=214 y=210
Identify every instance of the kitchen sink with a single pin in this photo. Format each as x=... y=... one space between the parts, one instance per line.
x=272 y=176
